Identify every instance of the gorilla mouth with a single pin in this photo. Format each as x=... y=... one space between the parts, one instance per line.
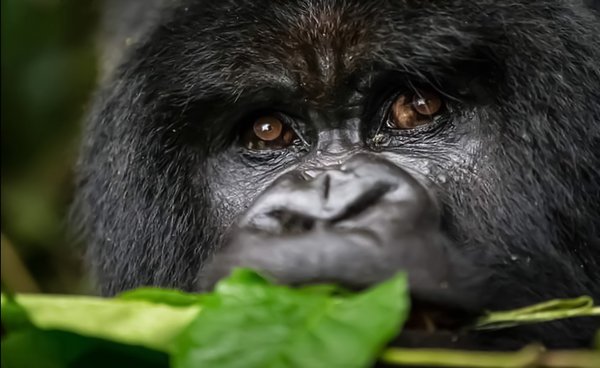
x=435 y=326
x=435 y=319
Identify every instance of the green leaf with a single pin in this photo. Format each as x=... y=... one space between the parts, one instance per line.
x=249 y=323
x=14 y=316
x=175 y=298
x=126 y=321
x=242 y=277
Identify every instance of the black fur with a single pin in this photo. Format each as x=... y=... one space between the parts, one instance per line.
x=518 y=175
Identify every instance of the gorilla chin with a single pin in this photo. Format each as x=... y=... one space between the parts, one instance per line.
x=343 y=141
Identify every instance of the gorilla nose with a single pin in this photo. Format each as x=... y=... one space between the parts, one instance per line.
x=355 y=224
x=337 y=196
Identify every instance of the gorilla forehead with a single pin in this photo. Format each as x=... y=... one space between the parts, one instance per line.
x=309 y=47
x=221 y=52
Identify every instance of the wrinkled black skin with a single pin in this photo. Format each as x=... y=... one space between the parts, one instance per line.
x=495 y=206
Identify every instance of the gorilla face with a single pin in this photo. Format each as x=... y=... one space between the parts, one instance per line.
x=344 y=141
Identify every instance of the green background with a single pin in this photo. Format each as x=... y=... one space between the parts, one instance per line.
x=48 y=73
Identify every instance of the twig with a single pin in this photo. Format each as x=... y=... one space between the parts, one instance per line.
x=14 y=273
x=542 y=312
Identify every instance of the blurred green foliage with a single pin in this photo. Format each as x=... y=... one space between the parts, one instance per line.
x=48 y=55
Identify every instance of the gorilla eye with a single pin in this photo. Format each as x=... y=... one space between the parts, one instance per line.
x=412 y=110
x=268 y=132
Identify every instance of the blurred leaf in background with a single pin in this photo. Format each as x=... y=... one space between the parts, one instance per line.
x=48 y=58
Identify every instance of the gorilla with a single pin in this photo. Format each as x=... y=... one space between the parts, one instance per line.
x=346 y=140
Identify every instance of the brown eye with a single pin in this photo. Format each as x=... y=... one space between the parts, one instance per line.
x=268 y=132
x=267 y=128
x=410 y=111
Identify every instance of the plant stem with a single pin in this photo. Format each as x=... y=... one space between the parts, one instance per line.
x=528 y=357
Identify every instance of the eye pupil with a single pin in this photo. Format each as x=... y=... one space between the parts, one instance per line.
x=426 y=103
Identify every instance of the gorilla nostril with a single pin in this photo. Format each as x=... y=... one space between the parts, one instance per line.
x=326 y=186
x=294 y=223
x=366 y=200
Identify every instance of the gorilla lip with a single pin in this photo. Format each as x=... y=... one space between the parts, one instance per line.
x=435 y=326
